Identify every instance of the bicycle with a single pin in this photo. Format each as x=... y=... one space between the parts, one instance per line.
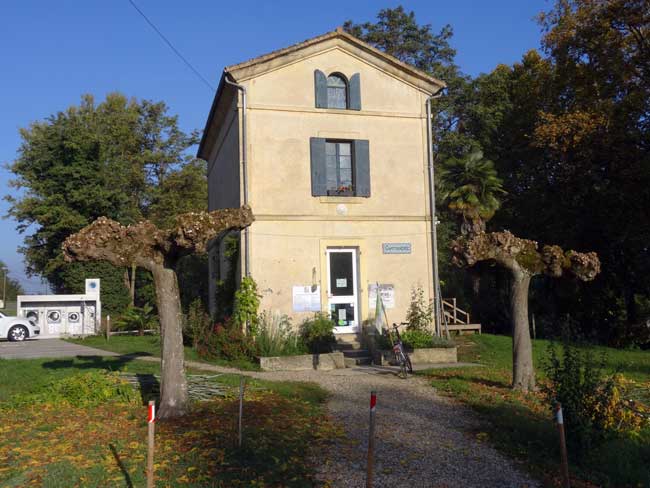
x=401 y=356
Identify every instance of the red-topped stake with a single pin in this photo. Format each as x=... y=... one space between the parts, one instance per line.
x=151 y=419
x=371 y=439
x=564 y=458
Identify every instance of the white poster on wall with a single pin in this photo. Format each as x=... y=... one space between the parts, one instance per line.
x=387 y=292
x=306 y=298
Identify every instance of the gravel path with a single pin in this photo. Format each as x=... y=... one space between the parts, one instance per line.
x=422 y=439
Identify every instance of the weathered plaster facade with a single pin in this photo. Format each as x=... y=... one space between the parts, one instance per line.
x=293 y=230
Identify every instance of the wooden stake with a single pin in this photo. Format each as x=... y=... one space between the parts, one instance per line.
x=151 y=419
x=241 y=406
x=563 y=452
x=371 y=439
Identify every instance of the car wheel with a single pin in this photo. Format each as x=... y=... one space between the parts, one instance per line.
x=18 y=333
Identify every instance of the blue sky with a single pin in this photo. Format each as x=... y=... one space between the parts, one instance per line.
x=53 y=52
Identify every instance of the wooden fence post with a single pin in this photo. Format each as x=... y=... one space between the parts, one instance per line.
x=151 y=419
x=559 y=417
x=371 y=440
x=241 y=407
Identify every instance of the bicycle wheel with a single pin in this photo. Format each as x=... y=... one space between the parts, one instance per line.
x=409 y=366
x=402 y=370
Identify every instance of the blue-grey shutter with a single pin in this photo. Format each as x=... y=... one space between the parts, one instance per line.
x=320 y=86
x=318 y=166
x=355 y=92
x=362 y=168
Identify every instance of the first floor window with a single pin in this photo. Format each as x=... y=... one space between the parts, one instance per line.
x=339 y=168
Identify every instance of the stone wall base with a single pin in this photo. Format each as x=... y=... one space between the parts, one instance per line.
x=305 y=362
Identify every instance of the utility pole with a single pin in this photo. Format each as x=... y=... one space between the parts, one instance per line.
x=4 y=287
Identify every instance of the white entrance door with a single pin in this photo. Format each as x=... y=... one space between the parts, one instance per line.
x=342 y=289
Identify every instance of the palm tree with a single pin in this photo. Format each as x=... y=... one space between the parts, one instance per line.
x=471 y=187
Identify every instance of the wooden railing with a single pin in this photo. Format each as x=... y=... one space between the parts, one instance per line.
x=454 y=314
x=457 y=319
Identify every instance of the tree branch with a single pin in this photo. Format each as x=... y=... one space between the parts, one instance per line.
x=145 y=244
x=513 y=252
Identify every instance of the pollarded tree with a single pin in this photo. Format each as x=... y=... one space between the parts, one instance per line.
x=524 y=259
x=158 y=251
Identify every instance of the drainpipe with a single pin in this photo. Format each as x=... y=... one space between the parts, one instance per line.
x=437 y=299
x=242 y=88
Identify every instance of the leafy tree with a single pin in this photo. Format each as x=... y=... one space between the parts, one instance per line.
x=14 y=288
x=121 y=158
x=158 y=251
x=471 y=188
x=115 y=296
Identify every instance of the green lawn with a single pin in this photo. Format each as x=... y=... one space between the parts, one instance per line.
x=69 y=446
x=521 y=425
x=150 y=346
x=31 y=375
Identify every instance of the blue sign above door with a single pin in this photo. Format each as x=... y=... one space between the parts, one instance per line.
x=396 y=247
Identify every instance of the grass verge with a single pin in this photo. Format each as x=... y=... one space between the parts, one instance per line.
x=521 y=425
x=66 y=446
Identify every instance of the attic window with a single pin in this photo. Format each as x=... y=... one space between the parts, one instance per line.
x=337 y=92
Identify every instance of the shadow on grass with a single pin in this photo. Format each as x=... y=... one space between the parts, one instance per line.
x=90 y=362
x=120 y=464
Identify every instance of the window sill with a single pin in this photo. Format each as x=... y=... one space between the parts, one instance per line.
x=341 y=199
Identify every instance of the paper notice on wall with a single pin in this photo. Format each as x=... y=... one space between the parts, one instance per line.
x=306 y=299
x=387 y=295
x=341 y=282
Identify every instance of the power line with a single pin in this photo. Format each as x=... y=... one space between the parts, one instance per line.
x=168 y=42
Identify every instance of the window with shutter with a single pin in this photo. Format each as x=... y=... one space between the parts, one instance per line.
x=335 y=91
x=340 y=168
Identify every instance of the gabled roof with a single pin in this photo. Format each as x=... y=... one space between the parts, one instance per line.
x=275 y=59
x=241 y=71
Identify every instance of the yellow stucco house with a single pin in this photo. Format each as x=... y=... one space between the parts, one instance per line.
x=326 y=140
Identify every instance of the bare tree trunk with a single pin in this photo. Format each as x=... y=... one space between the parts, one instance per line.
x=173 y=388
x=132 y=284
x=523 y=373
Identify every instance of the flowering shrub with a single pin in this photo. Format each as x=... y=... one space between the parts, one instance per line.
x=595 y=406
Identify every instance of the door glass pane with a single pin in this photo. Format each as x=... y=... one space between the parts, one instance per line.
x=341 y=275
x=342 y=314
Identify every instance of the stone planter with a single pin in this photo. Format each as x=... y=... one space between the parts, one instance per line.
x=430 y=355
x=305 y=362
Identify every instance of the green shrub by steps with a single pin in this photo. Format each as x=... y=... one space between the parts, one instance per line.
x=80 y=390
x=227 y=341
x=276 y=336
x=417 y=339
x=317 y=334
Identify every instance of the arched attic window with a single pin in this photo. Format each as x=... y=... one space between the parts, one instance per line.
x=337 y=91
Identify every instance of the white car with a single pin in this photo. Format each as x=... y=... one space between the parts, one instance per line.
x=17 y=328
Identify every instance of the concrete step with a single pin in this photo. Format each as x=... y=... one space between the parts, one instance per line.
x=356 y=357
x=357 y=361
x=348 y=341
x=355 y=353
